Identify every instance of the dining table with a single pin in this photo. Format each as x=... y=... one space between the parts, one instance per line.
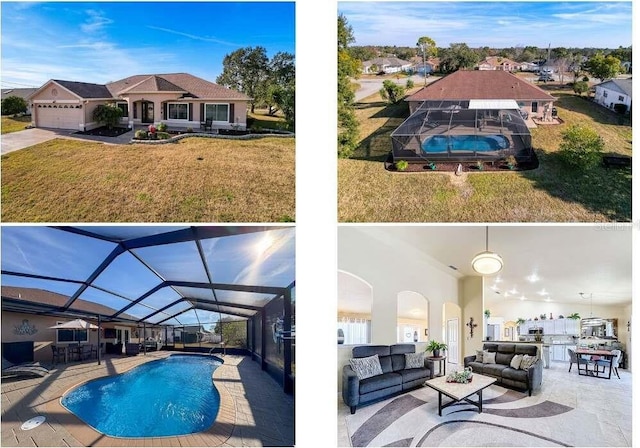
x=596 y=355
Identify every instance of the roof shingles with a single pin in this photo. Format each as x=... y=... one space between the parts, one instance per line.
x=480 y=85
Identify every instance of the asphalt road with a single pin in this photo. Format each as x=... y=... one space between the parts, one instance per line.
x=370 y=86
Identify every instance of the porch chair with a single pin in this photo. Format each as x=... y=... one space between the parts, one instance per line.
x=207 y=124
x=57 y=354
x=574 y=358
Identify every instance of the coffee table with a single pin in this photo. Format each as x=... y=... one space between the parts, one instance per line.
x=460 y=392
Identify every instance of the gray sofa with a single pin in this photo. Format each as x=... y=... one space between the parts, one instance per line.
x=395 y=377
x=529 y=379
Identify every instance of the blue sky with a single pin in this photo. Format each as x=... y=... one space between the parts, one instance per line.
x=102 y=42
x=493 y=24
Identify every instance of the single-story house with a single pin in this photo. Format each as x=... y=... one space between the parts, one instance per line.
x=177 y=99
x=492 y=85
x=498 y=63
x=614 y=91
x=385 y=65
x=20 y=329
x=431 y=65
x=21 y=93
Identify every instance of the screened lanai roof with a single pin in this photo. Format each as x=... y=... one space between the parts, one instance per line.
x=142 y=274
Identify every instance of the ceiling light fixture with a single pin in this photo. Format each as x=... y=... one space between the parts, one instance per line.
x=543 y=292
x=591 y=321
x=513 y=291
x=523 y=297
x=487 y=262
x=533 y=278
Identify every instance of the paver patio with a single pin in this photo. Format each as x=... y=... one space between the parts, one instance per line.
x=254 y=411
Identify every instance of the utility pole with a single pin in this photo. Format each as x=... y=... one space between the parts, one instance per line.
x=424 y=62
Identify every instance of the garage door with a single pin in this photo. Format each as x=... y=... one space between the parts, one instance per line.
x=58 y=116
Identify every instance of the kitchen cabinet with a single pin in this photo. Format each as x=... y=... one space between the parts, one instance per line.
x=572 y=326
x=558 y=352
x=559 y=326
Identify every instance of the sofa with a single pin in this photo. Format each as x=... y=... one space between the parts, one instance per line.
x=395 y=377
x=526 y=379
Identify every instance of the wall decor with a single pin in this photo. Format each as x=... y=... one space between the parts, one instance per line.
x=471 y=326
x=25 y=328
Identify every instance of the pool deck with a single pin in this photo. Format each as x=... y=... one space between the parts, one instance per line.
x=254 y=411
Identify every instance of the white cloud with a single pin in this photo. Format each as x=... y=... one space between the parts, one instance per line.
x=95 y=22
x=193 y=36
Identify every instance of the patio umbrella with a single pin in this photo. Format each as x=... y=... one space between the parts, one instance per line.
x=77 y=324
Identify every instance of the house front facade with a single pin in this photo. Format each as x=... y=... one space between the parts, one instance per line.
x=385 y=65
x=614 y=91
x=498 y=63
x=486 y=85
x=177 y=99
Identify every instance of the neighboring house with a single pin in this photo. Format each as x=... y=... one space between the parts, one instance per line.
x=485 y=85
x=177 y=99
x=431 y=65
x=385 y=65
x=498 y=63
x=614 y=91
x=528 y=66
x=22 y=93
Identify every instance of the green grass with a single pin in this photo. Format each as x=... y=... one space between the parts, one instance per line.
x=552 y=193
x=11 y=124
x=194 y=180
x=262 y=120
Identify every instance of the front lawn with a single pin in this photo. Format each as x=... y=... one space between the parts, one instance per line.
x=551 y=193
x=11 y=124
x=194 y=180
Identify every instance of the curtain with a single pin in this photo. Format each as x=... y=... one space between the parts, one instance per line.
x=356 y=331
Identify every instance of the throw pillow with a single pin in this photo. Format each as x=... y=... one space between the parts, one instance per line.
x=479 y=355
x=516 y=361
x=366 y=367
x=414 y=360
x=528 y=361
x=488 y=357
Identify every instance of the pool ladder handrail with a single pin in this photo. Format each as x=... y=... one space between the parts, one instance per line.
x=224 y=349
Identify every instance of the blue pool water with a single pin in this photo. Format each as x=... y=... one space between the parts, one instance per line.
x=168 y=397
x=441 y=143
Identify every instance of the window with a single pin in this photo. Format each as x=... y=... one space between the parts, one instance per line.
x=71 y=335
x=356 y=331
x=604 y=94
x=178 y=111
x=216 y=112
x=124 y=107
x=620 y=98
x=534 y=106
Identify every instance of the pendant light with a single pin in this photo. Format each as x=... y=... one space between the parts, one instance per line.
x=487 y=262
x=591 y=321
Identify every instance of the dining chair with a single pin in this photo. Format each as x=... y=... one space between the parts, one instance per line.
x=615 y=362
x=574 y=358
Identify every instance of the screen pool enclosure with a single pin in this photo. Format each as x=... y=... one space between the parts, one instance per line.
x=183 y=283
x=462 y=131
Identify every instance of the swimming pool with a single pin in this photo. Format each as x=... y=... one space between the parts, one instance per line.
x=168 y=397
x=442 y=143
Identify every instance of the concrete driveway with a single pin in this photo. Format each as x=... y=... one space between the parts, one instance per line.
x=29 y=137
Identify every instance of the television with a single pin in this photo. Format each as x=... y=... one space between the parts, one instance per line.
x=109 y=333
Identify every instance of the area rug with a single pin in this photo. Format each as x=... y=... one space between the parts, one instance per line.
x=509 y=418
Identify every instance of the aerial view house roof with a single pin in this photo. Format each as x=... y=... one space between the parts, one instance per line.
x=480 y=85
x=21 y=93
x=618 y=85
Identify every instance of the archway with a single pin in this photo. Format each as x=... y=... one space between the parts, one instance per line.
x=412 y=320
x=355 y=300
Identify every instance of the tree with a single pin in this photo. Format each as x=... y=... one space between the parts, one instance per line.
x=581 y=147
x=107 y=114
x=246 y=70
x=233 y=332
x=348 y=68
x=580 y=87
x=391 y=91
x=603 y=67
x=458 y=56
x=561 y=56
x=281 y=77
x=12 y=105
x=285 y=98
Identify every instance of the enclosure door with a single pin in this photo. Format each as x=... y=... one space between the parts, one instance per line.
x=452 y=340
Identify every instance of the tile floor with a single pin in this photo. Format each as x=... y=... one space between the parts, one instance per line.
x=254 y=411
x=608 y=403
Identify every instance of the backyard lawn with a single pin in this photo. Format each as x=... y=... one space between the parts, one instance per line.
x=194 y=180
x=11 y=124
x=551 y=193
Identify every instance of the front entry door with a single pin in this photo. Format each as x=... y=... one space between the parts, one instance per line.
x=147 y=112
x=122 y=335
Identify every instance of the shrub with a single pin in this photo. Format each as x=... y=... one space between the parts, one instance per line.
x=391 y=91
x=580 y=87
x=163 y=135
x=410 y=84
x=581 y=147
x=141 y=135
x=402 y=165
x=107 y=114
x=13 y=105
x=162 y=127
x=189 y=130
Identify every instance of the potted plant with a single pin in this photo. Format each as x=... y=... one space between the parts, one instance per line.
x=487 y=313
x=573 y=316
x=511 y=162
x=479 y=165
x=435 y=347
